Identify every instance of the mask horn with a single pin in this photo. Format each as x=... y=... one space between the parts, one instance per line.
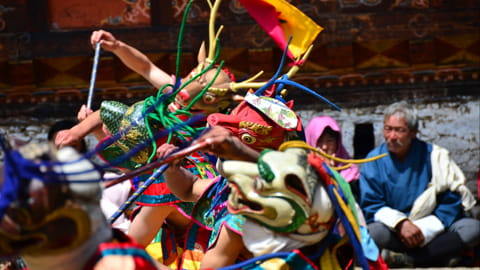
x=249 y=83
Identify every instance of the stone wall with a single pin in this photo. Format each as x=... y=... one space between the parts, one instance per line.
x=453 y=125
x=31 y=130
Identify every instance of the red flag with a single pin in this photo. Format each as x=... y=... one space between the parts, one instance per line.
x=281 y=20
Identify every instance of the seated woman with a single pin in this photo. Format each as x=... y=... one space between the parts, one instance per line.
x=323 y=132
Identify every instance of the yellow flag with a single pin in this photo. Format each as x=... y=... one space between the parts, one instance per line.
x=281 y=20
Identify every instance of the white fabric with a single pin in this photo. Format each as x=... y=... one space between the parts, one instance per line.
x=112 y=198
x=260 y=240
x=446 y=175
x=430 y=226
x=389 y=216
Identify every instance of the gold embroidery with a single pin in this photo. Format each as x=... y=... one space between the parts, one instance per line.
x=257 y=128
x=219 y=91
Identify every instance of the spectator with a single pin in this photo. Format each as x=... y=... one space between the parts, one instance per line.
x=324 y=133
x=113 y=197
x=415 y=198
x=79 y=145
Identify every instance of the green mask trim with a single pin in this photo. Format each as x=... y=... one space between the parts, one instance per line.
x=264 y=169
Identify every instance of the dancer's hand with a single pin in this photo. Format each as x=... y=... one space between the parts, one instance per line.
x=66 y=138
x=222 y=143
x=106 y=39
x=83 y=113
x=166 y=149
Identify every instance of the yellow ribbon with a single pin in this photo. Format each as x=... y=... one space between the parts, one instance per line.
x=302 y=144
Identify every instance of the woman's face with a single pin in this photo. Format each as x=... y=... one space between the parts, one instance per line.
x=328 y=143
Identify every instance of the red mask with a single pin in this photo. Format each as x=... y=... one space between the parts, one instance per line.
x=260 y=122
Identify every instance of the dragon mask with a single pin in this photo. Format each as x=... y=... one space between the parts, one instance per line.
x=281 y=192
x=260 y=122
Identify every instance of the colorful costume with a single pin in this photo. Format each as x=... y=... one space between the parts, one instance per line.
x=181 y=249
x=206 y=90
x=260 y=122
x=122 y=245
x=209 y=88
x=291 y=201
x=171 y=243
x=50 y=211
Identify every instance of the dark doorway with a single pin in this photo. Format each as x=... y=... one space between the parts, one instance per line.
x=363 y=140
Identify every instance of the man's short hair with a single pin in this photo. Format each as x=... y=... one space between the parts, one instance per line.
x=404 y=110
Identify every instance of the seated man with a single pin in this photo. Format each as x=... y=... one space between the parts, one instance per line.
x=415 y=198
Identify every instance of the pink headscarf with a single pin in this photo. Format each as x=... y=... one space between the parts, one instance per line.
x=314 y=130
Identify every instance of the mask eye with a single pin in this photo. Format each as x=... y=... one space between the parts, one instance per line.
x=294 y=184
x=209 y=98
x=248 y=139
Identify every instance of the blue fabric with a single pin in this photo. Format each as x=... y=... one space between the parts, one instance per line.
x=449 y=208
x=291 y=259
x=395 y=184
x=369 y=247
x=17 y=174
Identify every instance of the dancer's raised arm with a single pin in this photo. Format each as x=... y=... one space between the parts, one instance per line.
x=132 y=58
